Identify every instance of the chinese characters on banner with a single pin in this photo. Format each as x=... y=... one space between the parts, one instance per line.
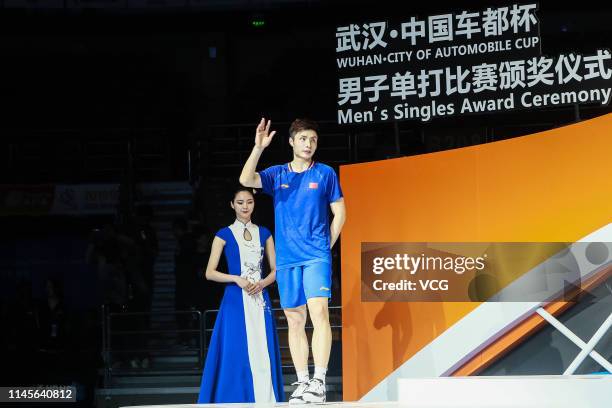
x=460 y=63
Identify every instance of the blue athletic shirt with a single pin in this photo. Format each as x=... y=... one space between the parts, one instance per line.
x=301 y=207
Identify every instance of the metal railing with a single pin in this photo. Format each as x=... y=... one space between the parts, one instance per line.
x=115 y=327
x=142 y=333
x=86 y=155
x=282 y=329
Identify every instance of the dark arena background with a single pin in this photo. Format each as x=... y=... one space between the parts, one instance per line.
x=123 y=120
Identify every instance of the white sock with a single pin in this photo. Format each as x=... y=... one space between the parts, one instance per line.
x=302 y=376
x=320 y=373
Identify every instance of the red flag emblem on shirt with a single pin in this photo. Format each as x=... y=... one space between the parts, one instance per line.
x=313 y=185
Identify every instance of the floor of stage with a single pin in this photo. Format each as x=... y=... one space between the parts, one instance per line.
x=544 y=391
x=285 y=404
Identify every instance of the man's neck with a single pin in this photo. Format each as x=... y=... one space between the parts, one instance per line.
x=300 y=165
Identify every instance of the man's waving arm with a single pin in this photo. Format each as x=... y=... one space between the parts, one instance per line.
x=249 y=177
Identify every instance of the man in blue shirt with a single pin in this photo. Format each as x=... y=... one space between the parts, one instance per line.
x=303 y=191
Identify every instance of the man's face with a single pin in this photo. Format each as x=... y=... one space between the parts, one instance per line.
x=304 y=144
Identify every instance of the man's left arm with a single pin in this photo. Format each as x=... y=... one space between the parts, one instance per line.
x=339 y=211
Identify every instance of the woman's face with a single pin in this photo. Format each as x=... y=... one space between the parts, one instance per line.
x=243 y=205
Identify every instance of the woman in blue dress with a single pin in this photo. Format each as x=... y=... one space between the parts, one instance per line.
x=243 y=360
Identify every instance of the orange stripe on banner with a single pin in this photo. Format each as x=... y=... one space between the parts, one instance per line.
x=524 y=330
x=553 y=186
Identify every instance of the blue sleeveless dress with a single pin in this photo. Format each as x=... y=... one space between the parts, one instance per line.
x=243 y=361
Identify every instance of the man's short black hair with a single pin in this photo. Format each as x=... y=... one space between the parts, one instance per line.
x=302 y=124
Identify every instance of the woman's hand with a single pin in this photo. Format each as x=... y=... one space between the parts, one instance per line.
x=243 y=283
x=256 y=288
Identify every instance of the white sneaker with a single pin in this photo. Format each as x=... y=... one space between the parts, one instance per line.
x=296 y=397
x=315 y=391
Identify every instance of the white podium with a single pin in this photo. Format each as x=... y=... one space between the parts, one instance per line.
x=558 y=391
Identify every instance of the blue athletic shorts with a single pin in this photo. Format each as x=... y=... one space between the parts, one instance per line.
x=299 y=283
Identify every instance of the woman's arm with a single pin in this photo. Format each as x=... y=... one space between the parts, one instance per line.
x=213 y=262
x=258 y=287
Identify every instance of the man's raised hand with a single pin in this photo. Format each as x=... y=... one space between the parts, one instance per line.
x=263 y=136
